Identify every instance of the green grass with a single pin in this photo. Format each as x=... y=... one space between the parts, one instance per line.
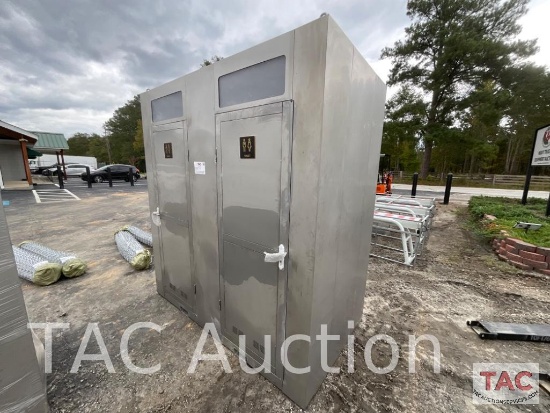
x=509 y=211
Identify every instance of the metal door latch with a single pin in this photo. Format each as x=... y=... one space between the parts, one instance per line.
x=155 y=217
x=277 y=257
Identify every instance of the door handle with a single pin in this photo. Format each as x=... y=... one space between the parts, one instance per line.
x=155 y=217
x=277 y=257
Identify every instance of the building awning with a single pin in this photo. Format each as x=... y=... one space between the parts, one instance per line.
x=12 y=132
x=32 y=154
x=50 y=142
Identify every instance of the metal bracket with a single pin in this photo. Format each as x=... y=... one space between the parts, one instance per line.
x=544 y=381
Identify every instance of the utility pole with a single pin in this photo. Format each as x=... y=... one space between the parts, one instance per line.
x=108 y=145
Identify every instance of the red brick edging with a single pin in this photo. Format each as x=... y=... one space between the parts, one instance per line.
x=523 y=255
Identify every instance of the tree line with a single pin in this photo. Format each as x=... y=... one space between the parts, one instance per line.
x=468 y=98
x=122 y=141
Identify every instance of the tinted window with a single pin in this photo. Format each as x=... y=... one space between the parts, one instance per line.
x=260 y=81
x=167 y=107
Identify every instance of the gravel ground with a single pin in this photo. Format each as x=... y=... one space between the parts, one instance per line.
x=456 y=280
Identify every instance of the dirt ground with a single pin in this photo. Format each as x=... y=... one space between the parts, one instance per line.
x=455 y=281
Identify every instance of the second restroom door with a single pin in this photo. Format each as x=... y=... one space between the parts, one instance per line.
x=254 y=181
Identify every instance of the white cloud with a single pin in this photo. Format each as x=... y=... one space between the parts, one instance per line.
x=67 y=66
x=535 y=26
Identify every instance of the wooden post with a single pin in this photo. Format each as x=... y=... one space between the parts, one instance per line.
x=63 y=163
x=23 y=143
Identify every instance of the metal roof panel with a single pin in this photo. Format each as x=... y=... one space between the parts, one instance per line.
x=49 y=140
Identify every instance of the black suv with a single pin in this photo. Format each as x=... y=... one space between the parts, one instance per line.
x=117 y=172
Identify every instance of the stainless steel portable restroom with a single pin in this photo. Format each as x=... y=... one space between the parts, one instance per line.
x=268 y=153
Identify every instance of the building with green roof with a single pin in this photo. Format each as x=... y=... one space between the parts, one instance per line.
x=17 y=146
x=49 y=142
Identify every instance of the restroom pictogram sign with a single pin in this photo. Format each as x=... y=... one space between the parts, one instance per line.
x=248 y=147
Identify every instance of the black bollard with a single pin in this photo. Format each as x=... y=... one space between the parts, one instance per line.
x=60 y=177
x=448 y=188
x=415 y=183
x=548 y=206
x=131 y=177
x=109 y=177
x=88 y=177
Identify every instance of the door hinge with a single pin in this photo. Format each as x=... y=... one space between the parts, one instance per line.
x=188 y=156
x=216 y=156
x=220 y=304
x=195 y=289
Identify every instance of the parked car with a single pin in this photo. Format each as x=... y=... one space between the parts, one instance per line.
x=73 y=169
x=45 y=170
x=117 y=172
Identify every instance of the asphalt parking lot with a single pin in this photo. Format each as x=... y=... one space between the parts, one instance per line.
x=75 y=189
x=80 y=187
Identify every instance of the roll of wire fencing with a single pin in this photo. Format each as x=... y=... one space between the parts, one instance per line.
x=132 y=251
x=71 y=266
x=144 y=237
x=34 y=268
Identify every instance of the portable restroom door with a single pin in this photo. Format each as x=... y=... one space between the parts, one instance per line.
x=254 y=147
x=169 y=143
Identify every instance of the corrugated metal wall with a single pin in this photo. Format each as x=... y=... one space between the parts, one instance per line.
x=11 y=162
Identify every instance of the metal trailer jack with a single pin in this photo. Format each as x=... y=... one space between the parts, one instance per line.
x=489 y=330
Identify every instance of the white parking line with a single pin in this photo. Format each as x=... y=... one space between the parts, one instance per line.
x=36 y=197
x=48 y=196
x=73 y=195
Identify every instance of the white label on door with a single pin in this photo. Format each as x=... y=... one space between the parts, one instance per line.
x=200 y=168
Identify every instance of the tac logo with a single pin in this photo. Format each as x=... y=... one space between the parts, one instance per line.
x=506 y=383
x=546 y=138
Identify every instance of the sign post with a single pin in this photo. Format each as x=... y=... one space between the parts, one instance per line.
x=540 y=156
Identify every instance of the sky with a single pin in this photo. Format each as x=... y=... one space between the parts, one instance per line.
x=65 y=66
